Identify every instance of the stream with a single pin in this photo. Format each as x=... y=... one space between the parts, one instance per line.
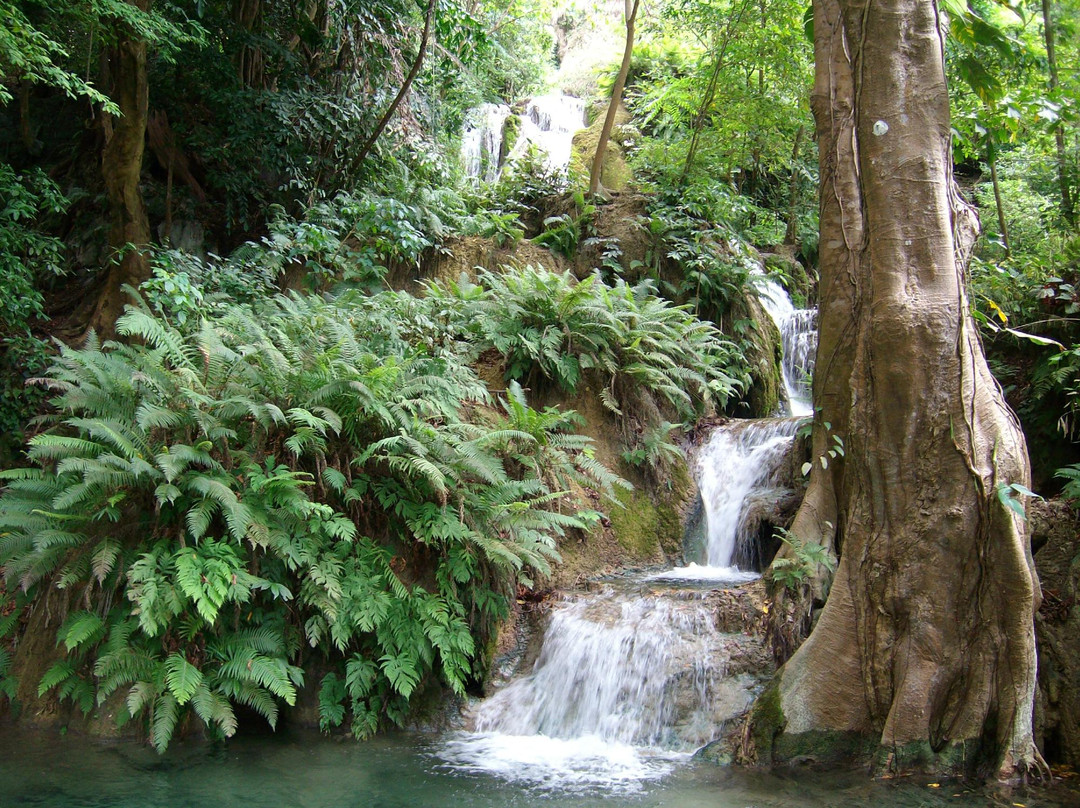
x=630 y=678
x=405 y=770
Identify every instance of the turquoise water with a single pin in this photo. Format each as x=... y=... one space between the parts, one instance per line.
x=301 y=770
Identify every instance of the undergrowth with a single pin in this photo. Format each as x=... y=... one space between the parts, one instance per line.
x=288 y=487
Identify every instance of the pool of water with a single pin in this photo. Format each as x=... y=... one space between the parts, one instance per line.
x=302 y=770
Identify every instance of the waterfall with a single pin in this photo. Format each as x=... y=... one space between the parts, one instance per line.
x=632 y=678
x=734 y=469
x=625 y=683
x=548 y=124
x=482 y=140
x=798 y=333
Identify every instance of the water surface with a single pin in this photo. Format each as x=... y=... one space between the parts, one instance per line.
x=404 y=770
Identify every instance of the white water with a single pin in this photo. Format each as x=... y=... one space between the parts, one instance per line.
x=798 y=333
x=548 y=124
x=481 y=142
x=738 y=465
x=625 y=685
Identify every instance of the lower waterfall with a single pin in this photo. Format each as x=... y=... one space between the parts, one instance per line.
x=628 y=680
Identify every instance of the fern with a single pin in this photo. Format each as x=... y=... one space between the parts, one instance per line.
x=219 y=487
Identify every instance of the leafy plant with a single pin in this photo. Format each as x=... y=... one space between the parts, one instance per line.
x=549 y=326
x=794 y=570
x=286 y=475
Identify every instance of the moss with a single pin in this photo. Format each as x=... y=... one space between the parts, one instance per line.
x=511 y=130
x=636 y=524
x=767 y=722
x=763 y=350
x=650 y=523
x=615 y=174
x=959 y=758
x=831 y=749
x=670 y=511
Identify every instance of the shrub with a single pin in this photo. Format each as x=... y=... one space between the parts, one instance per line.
x=286 y=475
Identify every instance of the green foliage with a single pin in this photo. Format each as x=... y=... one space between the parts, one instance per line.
x=1008 y=494
x=30 y=53
x=806 y=557
x=649 y=360
x=548 y=326
x=695 y=232
x=286 y=474
x=564 y=232
x=28 y=256
x=1071 y=490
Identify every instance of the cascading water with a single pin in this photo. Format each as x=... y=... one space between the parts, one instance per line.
x=630 y=679
x=482 y=141
x=625 y=683
x=736 y=466
x=548 y=124
x=798 y=333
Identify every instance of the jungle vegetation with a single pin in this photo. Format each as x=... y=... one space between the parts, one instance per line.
x=245 y=465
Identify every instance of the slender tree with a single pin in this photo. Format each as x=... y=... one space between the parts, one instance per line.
x=630 y=10
x=369 y=144
x=1068 y=204
x=924 y=655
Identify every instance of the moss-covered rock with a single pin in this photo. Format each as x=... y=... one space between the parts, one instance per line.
x=798 y=281
x=637 y=526
x=615 y=174
x=763 y=349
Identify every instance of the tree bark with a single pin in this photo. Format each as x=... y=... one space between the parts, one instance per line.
x=923 y=657
x=250 y=61
x=630 y=11
x=121 y=166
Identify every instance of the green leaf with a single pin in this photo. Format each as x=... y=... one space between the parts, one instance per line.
x=80 y=628
x=181 y=677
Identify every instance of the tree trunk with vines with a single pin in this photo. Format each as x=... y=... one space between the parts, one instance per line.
x=923 y=657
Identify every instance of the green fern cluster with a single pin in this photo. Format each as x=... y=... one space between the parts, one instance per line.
x=550 y=327
x=297 y=475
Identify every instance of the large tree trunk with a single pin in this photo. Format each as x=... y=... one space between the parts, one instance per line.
x=924 y=656
x=121 y=165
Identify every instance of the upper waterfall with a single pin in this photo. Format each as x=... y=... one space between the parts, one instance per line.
x=798 y=333
x=482 y=141
x=547 y=124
